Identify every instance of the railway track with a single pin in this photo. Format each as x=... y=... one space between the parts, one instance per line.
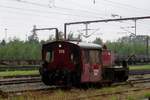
x=10 y=81
x=111 y=93
x=21 y=85
x=18 y=67
x=119 y=92
x=37 y=79
x=142 y=80
x=34 y=84
x=20 y=76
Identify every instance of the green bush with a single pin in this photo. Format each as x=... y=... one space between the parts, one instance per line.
x=16 y=50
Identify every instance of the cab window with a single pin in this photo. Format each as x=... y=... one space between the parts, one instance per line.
x=94 y=56
x=74 y=56
x=85 y=56
x=49 y=56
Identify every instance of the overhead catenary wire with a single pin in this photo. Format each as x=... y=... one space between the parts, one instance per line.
x=42 y=11
x=96 y=11
x=41 y=5
x=79 y=10
x=61 y=8
x=122 y=5
x=126 y=5
x=114 y=3
x=27 y=14
x=82 y=8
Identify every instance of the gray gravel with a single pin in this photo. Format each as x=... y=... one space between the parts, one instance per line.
x=41 y=86
x=23 y=87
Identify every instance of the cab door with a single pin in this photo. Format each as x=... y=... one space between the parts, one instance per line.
x=92 y=69
x=85 y=75
x=95 y=65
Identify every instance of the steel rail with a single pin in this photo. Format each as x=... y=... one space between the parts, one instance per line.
x=19 y=80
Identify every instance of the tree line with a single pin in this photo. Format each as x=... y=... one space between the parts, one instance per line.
x=31 y=49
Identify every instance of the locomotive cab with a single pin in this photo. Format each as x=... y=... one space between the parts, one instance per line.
x=61 y=63
x=71 y=63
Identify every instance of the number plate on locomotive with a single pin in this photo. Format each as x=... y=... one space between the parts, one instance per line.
x=62 y=51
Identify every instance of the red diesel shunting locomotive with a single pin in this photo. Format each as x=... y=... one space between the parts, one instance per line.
x=75 y=63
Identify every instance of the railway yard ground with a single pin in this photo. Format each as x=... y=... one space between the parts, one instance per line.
x=125 y=92
x=28 y=86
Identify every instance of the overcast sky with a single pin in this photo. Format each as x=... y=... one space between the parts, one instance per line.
x=19 y=16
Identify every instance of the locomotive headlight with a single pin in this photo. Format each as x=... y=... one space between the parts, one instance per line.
x=59 y=45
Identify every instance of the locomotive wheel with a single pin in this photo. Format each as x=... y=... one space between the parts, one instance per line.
x=109 y=83
x=75 y=79
x=68 y=81
x=125 y=78
x=46 y=80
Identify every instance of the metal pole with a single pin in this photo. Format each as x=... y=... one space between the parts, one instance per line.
x=86 y=29
x=65 y=30
x=147 y=45
x=135 y=26
x=110 y=20
x=57 y=34
x=94 y=1
x=38 y=29
x=6 y=34
x=34 y=29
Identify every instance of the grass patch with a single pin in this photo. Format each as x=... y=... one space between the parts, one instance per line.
x=18 y=65
x=140 y=67
x=131 y=98
x=114 y=98
x=16 y=73
x=147 y=95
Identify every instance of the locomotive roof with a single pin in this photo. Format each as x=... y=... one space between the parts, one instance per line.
x=87 y=45
x=80 y=44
